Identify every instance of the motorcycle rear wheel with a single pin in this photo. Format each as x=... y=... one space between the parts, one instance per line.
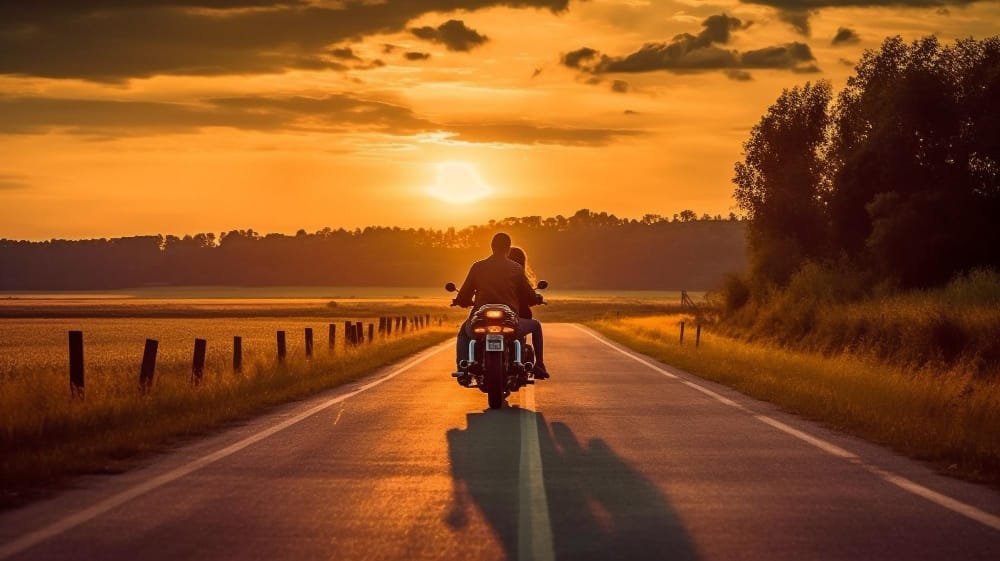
x=494 y=375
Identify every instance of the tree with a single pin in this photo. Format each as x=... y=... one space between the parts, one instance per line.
x=780 y=181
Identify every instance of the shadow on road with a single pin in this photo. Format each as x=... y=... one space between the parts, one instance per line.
x=599 y=506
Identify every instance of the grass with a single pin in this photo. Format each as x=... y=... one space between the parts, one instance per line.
x=46 y=435
x=948 y=417
x=826 y=311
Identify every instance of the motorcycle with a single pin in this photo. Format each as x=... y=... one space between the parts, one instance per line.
x=498 y=361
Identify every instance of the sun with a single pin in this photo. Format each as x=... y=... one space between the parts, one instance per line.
x=459 y=183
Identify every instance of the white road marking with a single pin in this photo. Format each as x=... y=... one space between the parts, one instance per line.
x=69 y=522
x=954 y=505
x=534 y=529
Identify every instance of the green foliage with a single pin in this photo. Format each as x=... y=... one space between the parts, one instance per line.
x=901 y=175
x=734 y=293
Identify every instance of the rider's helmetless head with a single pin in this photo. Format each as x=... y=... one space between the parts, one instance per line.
x=500 y=244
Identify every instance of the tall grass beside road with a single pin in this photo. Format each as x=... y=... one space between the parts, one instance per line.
x=47 y=434
x=946 y=416
x=829 y=311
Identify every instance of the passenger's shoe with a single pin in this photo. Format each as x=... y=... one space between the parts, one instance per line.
x=540 y=372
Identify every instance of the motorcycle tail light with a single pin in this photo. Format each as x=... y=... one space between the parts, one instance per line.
x=494 y=329
x=508 y=329
x=479 y=330
x=494 y=314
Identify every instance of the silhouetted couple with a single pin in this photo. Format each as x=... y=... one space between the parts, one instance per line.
x=502 y=279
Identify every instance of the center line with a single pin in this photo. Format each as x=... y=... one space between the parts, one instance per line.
x=534 y=529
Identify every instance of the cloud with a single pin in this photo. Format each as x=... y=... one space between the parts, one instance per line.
x=620 y=86
x=845 y=36
x=12 y=182
x=416 y=56
x=797 y=12
x=335 y=113
x=453 y=34
x=344 y=53
x=573 y=59
x=695 y=53
x=738 y=75
x=116 y=40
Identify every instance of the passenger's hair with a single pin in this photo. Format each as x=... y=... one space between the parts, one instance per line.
x=500 y=243
x=518 y=256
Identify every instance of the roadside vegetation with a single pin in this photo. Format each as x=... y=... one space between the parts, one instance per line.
x=945 y=416
x=47 y=434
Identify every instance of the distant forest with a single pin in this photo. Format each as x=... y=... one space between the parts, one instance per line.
x=587 y=250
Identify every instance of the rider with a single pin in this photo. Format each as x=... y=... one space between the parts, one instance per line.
x=494 y=280
x=526 y=323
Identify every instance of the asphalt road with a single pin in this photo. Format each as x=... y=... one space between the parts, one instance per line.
x=616 y=457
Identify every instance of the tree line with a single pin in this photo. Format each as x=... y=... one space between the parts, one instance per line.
x=588 y=250
x=897 y=178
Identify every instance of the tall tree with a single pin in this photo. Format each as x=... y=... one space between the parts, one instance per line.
x=780 y=181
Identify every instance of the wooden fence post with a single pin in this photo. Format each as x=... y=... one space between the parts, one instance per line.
x=360 y=331
x=282 y=349
x=237 y=354
x=682 y=332
x=198 y=361
x=76 y=363
x=333 y=336
x=371 y=332
x=309 y=342
x=348 y=333
x=697 y=335
x=148 y=365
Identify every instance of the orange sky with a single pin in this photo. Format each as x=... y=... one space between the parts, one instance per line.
x=206 y=115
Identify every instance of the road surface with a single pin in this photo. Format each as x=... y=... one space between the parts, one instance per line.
x=616 y=457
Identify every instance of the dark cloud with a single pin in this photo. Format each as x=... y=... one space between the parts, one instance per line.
x=573 y=59
x=797 y=12
x=12 y=182
x=845 y=36
x=336 y=113
x=620 y=86
x=417 y=56
x=798 y=19
x=115 y=40
x=738 y=75
x=694 y=53
x=344 y=53
x=453 y=34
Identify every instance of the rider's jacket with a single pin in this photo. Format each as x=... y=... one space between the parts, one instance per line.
x=495 y=280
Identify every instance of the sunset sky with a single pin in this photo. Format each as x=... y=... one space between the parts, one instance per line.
x=186 y=116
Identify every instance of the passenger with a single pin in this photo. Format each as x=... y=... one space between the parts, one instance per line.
x=527 y=324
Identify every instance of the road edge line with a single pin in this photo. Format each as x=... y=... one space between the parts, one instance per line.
x=958 y=507
x=67 y=523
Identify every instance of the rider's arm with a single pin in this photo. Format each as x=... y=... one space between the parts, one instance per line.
x=526 y=295
x=465 y=294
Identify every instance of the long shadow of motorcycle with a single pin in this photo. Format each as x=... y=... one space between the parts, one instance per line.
x=600 y=507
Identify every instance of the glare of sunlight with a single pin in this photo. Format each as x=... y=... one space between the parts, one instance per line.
x=458 y=183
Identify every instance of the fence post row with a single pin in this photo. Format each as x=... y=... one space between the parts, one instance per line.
x=198 y=361
x=76 y=363
x=309 y=342
x=282 y=349
x=237 y=354
x=148 y=365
